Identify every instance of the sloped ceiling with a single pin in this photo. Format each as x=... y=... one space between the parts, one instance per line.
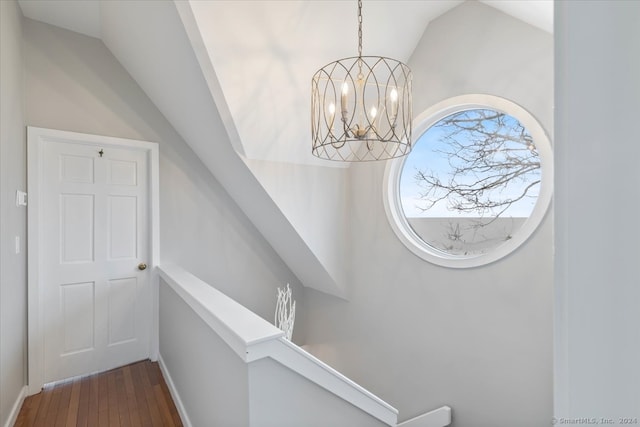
x=233 y=78
x=264 y=53
x=79 y=16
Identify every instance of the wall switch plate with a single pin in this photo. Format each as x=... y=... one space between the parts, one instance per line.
x=17 y=244
x=21 y=198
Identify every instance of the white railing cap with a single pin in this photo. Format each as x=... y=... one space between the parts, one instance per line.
x=238 y=326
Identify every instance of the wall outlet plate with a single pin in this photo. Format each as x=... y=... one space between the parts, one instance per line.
x=21 y=198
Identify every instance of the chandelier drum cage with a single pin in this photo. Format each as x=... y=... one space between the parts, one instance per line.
x=361 y=109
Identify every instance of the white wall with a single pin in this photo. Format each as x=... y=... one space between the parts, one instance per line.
x=314 y=199
x=212 y=381
x=13 y=176
x=74 y=83
x=422 y=336
x=279 y=397
x=159 y=44
x=231 y=368
x=597 y=293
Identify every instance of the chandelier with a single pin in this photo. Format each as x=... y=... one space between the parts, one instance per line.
x=361 y=107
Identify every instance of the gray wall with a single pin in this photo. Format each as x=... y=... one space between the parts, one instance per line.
x=74 y=83
x=422 y=336
x=212 y=381
x=218 y=389
x=279 y=397
x=596 y=215
x=314 y=199
x=13 y=274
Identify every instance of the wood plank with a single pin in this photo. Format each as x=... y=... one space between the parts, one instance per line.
x=94 y=401
x=162 y=405
x=53 y=406
x=143 y=407
x=83 y=402
x=103 y=401
x=74 y=404
x=27 y=417
x=152 y=373
x=172 y=407
x=123 y=407
x=63 y=405
x=154 y=411
x=114 y=416
x=132 y=396
x=41 y=418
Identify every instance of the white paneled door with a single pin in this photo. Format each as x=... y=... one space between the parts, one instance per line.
x=96 y=303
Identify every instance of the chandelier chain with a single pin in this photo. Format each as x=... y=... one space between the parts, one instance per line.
x=359 y=28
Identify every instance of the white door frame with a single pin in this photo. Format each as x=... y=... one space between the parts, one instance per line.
x=36 y=138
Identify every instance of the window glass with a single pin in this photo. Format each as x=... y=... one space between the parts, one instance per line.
x=471 y=181
x=476 y=184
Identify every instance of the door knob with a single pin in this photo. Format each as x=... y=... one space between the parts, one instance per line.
x=142 y=266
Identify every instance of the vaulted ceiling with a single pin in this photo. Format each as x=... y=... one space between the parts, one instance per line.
x=233 y=78
x=265 y=52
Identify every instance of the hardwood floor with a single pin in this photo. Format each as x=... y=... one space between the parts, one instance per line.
x=135 y=395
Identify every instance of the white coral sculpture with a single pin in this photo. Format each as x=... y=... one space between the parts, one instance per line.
x=285 y=312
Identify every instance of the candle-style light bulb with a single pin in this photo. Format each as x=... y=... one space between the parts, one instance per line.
x=372 y=118
x=394 y=95
x=332 y=113
x=343 y=98
x=394 y=104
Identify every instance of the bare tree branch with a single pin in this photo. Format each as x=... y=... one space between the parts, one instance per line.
x=493 y=164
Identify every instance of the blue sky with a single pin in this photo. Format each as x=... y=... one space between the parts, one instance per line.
x=424 y=156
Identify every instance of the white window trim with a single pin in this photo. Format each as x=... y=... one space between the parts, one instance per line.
x=422 y=123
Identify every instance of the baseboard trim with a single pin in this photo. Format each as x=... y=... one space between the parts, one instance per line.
x=440 y=417
x=13 y=416
x=174 y=392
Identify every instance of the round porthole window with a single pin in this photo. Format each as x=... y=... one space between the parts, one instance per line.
x=476 y=184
